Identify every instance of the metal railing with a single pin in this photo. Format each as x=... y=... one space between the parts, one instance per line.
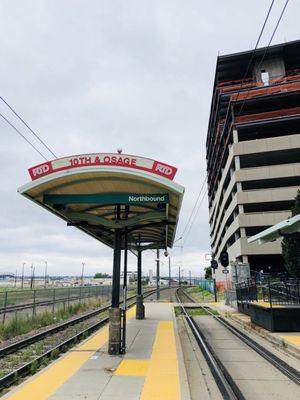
x=274 y=292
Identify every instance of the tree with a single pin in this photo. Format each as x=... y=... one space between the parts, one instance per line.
x=208 y=273
x=100 y=275
x=291 y=245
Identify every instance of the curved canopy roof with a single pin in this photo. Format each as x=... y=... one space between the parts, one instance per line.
x=99 y=193
x=287 y=226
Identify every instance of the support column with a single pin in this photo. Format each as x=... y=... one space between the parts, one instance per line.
x=124 y=308
x=140 y=308
x=157 y=276
x=114 y=342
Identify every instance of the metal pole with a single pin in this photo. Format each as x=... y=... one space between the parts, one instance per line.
x=157 y=275
x=22 y=285
x=31 y=272
x=169 y=271
x=16 y=277
x=190 y=278
x=116 y=269
x=179 y=278
x=139 y=273
x=114 y=341
x=82 y=271
x=5 y=305
x=45 y=274
x=123 y=345
x=215 y=290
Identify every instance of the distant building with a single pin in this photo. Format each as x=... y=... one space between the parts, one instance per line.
x=150 y=276
x=253 y=151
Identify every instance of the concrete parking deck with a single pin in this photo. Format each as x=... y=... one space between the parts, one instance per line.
x=152 y=368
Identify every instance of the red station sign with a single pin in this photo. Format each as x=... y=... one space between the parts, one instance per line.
x=103 y=159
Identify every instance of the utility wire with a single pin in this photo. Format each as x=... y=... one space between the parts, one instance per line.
x=255 y=48
x=244 y=77
x=195 y=205
x=27 y=126
x=266 y=50
x=195 y=216
x=21 y=134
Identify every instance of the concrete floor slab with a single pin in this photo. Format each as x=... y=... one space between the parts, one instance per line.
x=93 y=377
x=124 y=387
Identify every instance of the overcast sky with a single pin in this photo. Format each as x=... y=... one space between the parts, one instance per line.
x=93 y=76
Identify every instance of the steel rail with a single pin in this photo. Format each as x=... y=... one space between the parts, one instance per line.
x=223 y=380
x=24 y=306
x=277 y=362
x=4 y=351
x=25 y=369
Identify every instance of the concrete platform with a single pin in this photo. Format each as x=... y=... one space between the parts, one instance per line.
x=152 y=369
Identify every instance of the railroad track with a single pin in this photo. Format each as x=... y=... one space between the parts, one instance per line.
x=12 y=350
x=43 y=303
x=226 y=384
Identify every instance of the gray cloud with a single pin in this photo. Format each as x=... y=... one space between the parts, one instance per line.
x=97 y=75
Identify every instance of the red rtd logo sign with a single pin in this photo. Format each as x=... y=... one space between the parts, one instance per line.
x=102 y=159
x=164 y=169
x=40 y=170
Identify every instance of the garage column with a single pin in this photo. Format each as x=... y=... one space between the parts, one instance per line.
x=140 y=308
x=114 y=344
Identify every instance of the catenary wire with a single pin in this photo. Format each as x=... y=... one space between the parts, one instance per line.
x=27 y=126
x=21 y=134
x=194 y=207
x=266 y=51
x=195 y=216
x=244 y=77
x=255 y=47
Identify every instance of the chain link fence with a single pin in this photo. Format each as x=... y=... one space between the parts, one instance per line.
x=30 y=302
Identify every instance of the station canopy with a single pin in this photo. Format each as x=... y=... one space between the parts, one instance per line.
x=101 y=192
x=288 y=226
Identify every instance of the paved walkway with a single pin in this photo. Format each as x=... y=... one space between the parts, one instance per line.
x=152 y=368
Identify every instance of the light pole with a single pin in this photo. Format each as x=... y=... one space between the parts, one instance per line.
x=46 y=274
x=16 y=276
x=82 y=271
x=169 y=271
x=32 y=276
x=22 y=285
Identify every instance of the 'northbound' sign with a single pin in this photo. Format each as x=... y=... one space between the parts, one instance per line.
x=103 y=159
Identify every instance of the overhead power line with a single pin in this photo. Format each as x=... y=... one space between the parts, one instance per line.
x=24 y=137
x=266 y=50
x=27 y=126
x=244 y=77
x=194 y=207
x=195 y=216
x=255 y=47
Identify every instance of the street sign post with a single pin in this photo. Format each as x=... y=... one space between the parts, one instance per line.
x=214 y=266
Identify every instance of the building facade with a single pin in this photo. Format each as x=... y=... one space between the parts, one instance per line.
x=253 y=151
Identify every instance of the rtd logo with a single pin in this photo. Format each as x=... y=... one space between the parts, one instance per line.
x=40 y=170
x=163 y=169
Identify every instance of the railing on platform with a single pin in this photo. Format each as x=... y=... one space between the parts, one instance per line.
x=284 y=292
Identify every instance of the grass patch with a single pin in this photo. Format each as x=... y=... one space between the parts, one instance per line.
x=21 y=324
x=195 y=312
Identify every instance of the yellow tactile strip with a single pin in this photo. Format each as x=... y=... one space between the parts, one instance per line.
x=293 y=339
x=266 y=304
x=47 y=382
x=162 y=379
x=133 y=368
